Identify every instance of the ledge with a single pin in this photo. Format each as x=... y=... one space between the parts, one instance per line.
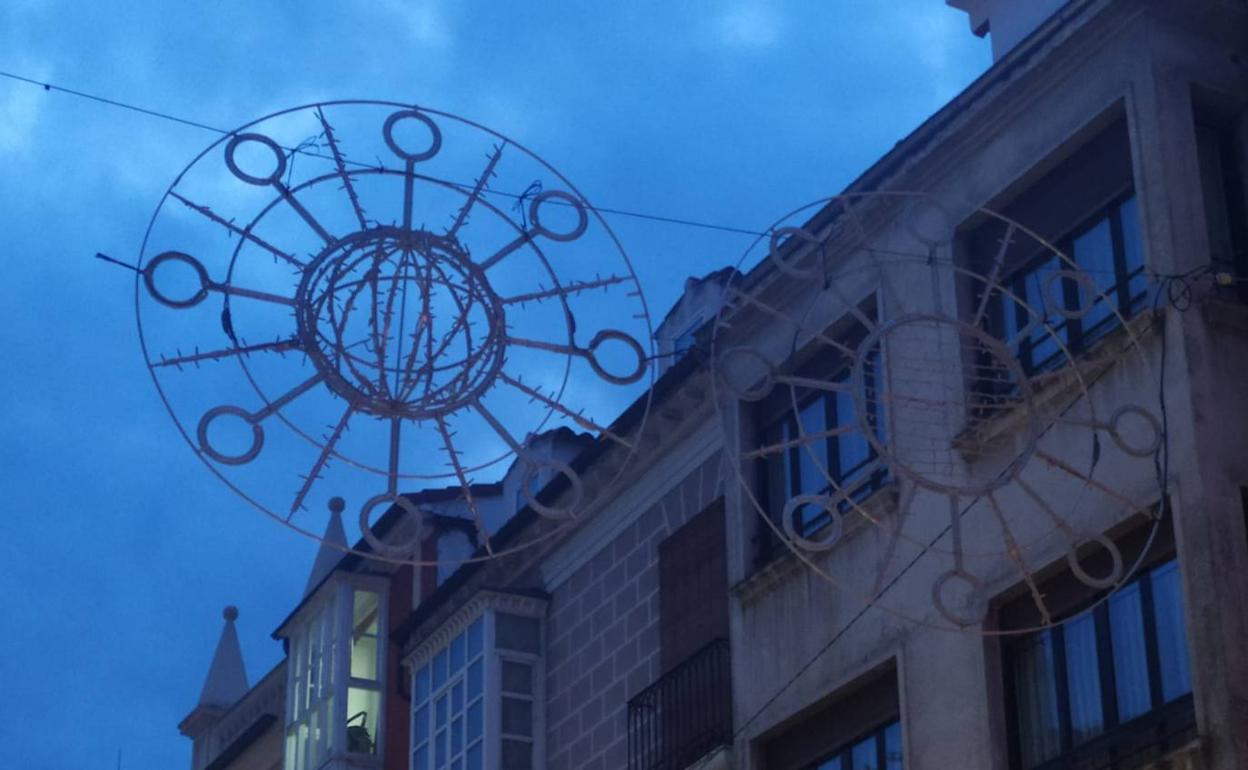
x=1059 y=386
x=880 y=504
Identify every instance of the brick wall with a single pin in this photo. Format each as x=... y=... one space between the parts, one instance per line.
x=603 y=632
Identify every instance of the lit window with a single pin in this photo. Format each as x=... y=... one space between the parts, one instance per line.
x=1106 y=682
x=474 y=699
x=334 y=676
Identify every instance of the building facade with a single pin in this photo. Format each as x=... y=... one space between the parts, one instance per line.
x=671 y=628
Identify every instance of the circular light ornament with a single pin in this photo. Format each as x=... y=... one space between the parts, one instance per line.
x=963 y=411
x=370 y=299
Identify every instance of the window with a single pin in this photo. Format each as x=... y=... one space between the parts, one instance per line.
x=856 y=729
x=1107 y=250
x=1222 y=190
x=834 y=458
x=310 y=699
x=1105 y=684
x=880 y=750
x=334 y=675
x=475 y=699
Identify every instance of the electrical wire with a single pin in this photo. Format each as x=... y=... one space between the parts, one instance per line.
x=304 y=149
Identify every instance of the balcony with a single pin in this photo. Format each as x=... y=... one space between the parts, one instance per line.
x=685 y=715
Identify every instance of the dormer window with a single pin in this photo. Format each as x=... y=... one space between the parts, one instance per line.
x=476 y=685
x=335 y=674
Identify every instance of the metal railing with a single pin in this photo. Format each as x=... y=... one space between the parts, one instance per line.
x=685 y=714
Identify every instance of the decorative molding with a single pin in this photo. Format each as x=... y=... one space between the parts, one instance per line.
x=481 y=602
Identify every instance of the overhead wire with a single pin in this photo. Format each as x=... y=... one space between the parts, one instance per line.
x=304 y=150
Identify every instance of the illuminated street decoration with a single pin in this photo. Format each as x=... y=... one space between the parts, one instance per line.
x=940 y=400
x=392 y=295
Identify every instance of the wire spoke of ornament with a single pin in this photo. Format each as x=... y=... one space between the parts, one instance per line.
x=969 y=461
x=408 y=333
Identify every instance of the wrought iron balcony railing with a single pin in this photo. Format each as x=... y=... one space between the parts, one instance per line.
x=685 y=714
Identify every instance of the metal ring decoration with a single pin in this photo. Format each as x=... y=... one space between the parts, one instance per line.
x=205 y=444
x=1115 y=432
x=639 y=368
x=393 y=549
x=965 y=457
x=1116 y=569
x=435 y=135
x=755 y=392
x=1089 y=290
x=576 y=488
x=279 y=155
x=376 y=322
x=977 y=604
x=535 y=216
x=804 y=240
x=149 y=279
x=829 y=538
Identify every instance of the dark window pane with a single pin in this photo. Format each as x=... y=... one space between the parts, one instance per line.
x=517 y=677
x=517 y=716
x=1176 y=675
x=1083 y=678
x=1126 y=630
x=1035 y=683
x=831 y=764
x=514 y=632
x=517 y=755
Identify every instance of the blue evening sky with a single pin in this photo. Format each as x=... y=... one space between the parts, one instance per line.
x=117 y=548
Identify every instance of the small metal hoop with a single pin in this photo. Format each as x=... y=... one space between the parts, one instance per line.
x=1120 y=441
x=149 y=279
x=783 y=265
x=576 y=487
x=1082 y=279
x=757 y=392
x=260 y=181
x=1115 y=573
x=257 y=436
x=380 y=546
x=435 y=141
x=582 y=221
x=591 y=355
x=979 y=608
x=829 y=539
x=912 y=224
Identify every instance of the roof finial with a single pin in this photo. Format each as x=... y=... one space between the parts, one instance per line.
x=333 y=546
x=230 y=613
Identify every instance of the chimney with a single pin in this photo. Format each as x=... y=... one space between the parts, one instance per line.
x=1008 y=22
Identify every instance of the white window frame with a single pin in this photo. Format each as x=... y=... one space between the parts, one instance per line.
x=487 y=605
x=336 y=595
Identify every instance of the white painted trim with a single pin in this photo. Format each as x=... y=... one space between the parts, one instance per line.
x=638 y=496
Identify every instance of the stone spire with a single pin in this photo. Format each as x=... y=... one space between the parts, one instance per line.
x=227 y=677
x=333 y=546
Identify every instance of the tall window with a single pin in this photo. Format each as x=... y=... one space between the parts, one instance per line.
x=364 y=685
x=823 y=450
x=310 y=695
x=475 y=699
x=880 y=750
x=1107 y=250
x=1105 y=684
x=335 y=675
